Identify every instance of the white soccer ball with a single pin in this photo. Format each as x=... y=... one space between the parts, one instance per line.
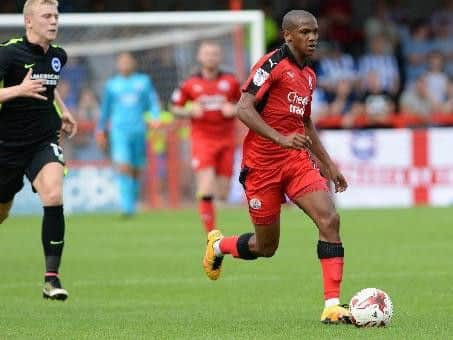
x=371 y=307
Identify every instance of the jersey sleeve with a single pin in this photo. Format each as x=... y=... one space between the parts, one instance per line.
x=181 y=95
x=260 y=79
x=4 y=61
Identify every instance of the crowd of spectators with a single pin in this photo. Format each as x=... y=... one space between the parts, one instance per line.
x=390 y=70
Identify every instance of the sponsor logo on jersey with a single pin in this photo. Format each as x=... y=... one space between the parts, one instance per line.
x=271 y=62
x=212 y=103
x=260 y=77
x=297 y=103
x=49 y=79
x=56 y=64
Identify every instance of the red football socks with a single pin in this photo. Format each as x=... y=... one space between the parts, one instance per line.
x=228 y=245
x=207 y=214
x=332 y=274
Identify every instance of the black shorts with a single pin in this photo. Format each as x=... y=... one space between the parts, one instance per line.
x=32 y=161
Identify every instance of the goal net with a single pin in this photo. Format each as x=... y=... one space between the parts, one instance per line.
x=164 y=45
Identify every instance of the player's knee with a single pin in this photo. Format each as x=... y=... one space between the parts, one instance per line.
x=221 y=196
x=52 y=196
x=330 y=221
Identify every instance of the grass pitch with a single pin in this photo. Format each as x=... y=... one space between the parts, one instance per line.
x=142 y=278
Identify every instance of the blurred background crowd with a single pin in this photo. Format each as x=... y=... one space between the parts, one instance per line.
x=379 y=63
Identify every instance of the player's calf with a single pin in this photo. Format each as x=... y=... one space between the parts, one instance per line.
x=329 y=226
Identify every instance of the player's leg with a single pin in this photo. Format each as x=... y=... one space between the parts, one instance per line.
x=205 y=181
x=138 y=160
x=224 y=171
x=264 y=198
x=308 y=189
x=46 y=173
x=11 y=182
x=203 y=163
x=121 y=152
x=320 y=207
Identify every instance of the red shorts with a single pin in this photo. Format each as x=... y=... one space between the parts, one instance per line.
x=266 y=188
x=209 y=154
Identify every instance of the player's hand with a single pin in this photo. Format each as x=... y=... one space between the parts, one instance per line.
x=229 y=110
x=295 y=141
x=69 y=124
x=196 y=110
x=338 y=179
x=101 y=140
x=32 y=87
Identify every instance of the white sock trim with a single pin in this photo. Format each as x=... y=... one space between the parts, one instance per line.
x=332 y=302
x=217 y=250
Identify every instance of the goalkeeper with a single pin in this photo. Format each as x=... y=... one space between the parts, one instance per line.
x=129 y=98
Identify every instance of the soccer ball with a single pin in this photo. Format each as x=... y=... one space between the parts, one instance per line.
x=371 y=307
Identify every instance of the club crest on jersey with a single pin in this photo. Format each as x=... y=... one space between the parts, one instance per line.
x=255 y=203
x=223 y=85
x=310 y=83
x=260 y=77
x=56 y=64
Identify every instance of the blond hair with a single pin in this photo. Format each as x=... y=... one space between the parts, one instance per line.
x=31 y=3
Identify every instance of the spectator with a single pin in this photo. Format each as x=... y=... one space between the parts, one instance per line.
x=416 y=49
x=415 y=100
x=335 y=67
x=443 y=42
x=382 y=24
x=447 y=107
x=383 y=64
x=345 y=100
x=378 y=103
x=436 y=78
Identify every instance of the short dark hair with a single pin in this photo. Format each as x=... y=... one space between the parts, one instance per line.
x=290 y=20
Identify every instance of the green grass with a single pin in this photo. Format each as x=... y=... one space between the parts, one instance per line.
x=142 y=278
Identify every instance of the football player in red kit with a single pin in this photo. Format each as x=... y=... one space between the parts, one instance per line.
x=276 y=106
x=209 y=99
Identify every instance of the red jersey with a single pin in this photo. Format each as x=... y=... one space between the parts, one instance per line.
x=211 y=94
x=283 y=92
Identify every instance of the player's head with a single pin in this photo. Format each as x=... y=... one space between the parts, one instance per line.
x=300 y=29
x=125 y=63
x=41 y=20
x=209 y=55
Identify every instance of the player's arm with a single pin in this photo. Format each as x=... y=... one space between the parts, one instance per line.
x=320 y=152
x=69 y=124
x=247 y=113
x=28 y=88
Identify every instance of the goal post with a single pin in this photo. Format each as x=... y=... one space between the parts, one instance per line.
x=165 y=46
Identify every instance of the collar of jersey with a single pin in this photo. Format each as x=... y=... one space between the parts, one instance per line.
x=287 y=51
x=36 y=48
